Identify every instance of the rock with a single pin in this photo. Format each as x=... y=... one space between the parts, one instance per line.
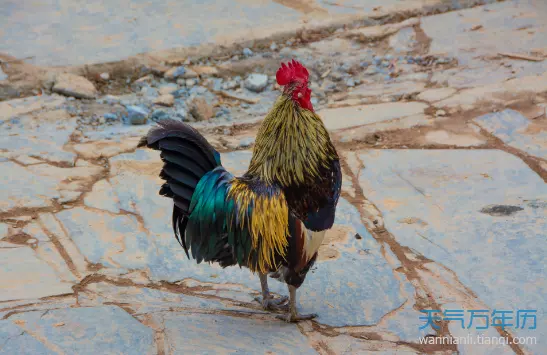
x=205 y=70
x=105 y=76
x=246 y=142
x=174 y=73
x=404 y=40
x=143 y=81
x=110 y=99
x=159 y=115
x=180 y=93
x=201 y=110
x=181 y=114
x=230 y=85
x=256 y=82
x=440 y=113
x=110 y=117
x=190 y=74
x=149 y=92
x=3 y=76
x=335 y=76
x=167 y=88
x=371 y=70
x=247 y=52
x=136 y=115
x=273 y=46
x=190 y=82
x=350 y=82
x=75 y=86
x=165 y=100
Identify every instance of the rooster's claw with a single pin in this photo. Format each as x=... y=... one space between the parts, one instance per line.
x=271 y=304
x=295 y=318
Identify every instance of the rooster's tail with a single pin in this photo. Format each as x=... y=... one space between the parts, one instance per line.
x=187 y=157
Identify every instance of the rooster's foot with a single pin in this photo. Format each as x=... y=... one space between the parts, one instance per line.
x=272 y=304
x=295 y=318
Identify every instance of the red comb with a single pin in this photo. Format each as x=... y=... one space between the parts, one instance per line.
x=292 y=71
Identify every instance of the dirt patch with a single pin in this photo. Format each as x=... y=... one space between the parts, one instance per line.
x=501 y=210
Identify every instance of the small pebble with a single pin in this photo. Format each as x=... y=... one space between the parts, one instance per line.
x=105 y=76
x=180 y=93
x=136 y=115
x=256 y=82
x=175 y=73
x=109 y=117
x=247 y=52
x=246 y=142
x=440 y=113
x=273 y=46
x=190 y=82
x=159 y=115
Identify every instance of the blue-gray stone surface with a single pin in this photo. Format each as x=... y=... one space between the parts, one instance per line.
x=516 y=130
x=450 y=193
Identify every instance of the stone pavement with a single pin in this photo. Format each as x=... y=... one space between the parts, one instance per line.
x=444 y=206
x=68 y=32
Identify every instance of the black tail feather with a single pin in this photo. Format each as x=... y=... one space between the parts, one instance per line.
x=187 y=157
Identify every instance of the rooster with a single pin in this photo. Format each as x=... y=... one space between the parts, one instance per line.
x=272 y=219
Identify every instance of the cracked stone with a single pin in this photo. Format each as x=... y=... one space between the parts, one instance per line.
x=24 y=276
x=102 y=197
x=346 y=117
x=434 y=95
x=18 y=107
x=15 y=340
x=69 y=330
x=495 y=93
x=387 y=91
x=516 y=130
x=451 y=186
x=105 y=148
x=449 y=138
x=270 y=337
x=25 y=192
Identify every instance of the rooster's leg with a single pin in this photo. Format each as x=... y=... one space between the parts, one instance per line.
x=267 y=301
x=293 y=315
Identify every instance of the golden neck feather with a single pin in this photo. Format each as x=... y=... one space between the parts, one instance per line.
x=292 y=145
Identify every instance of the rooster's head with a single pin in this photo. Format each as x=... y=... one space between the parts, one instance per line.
x=294 y=77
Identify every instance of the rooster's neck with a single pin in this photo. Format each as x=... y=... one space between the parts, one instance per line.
x=292 y=146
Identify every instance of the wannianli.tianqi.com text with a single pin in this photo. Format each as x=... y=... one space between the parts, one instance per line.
x=477 y=340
